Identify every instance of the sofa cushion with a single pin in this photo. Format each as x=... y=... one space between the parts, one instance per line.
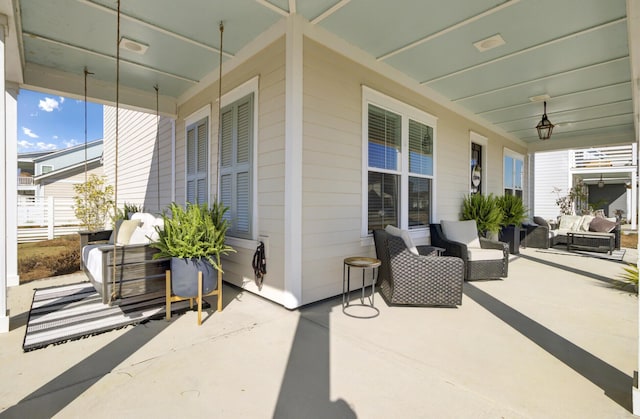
x=464 y=232
x=125 y=229
x=585 y=221
x=541 y=222
x=140 y=236
x=602 y=225
x=570 y=222
x=484 y=254
x=395 y=231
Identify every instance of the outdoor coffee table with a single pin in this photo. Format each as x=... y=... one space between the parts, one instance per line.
x=591 y=241
x=364 y=263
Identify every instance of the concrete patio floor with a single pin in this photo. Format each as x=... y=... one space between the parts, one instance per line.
x=554 y=339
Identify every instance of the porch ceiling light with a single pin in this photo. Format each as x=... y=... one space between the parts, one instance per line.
x=133 y=46
x=544 y=127
x=601 y=182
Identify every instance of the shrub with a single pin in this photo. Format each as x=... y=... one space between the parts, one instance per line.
x=94 y=201
x=513 y=210
x=484 y=209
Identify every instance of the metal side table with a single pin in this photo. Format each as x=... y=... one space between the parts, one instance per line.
x=364 y=263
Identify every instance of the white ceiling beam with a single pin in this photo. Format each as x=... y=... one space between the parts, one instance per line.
x=449 y=29
x=109 y=57
x=560 y=113
x=155 y=27
x=539 y=79
x=273 y=7
x=292 y=7
x=331 y=10
x=595 y=89
x=633 y=36
x=526 y=50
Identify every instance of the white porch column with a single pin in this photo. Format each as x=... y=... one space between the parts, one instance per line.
x=11 y=194
x=5 y=158
x=293 y=165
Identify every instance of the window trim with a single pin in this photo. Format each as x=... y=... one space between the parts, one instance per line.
x=42 y=166
x=250 y=86
x=406 y=112
x=204 y=112
x=483 y=141
x=514 y=155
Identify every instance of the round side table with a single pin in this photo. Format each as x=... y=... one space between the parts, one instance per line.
x=364 y=263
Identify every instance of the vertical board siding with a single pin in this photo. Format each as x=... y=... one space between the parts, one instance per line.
x=144 y=142
x=269 y=65
x=551 y=170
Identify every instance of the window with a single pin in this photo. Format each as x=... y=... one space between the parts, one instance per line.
x=513 y=173
x=198 y=161
x=400 y=164
x=46 y=168
x=236 y=165
x=479 y=144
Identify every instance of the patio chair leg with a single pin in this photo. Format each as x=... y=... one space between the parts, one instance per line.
x=168 y=294
x=199 y=298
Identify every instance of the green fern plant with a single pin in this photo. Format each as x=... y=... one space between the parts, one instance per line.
x=630 y=275
x=485 y=210
x=194 y=232
x=513 y=210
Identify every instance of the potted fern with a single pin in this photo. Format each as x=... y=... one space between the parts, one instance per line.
x=194 y=239
x=513 y=215
x=484 y=209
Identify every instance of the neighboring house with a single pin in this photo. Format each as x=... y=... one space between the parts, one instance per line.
x=55 y=173
x=608 y=173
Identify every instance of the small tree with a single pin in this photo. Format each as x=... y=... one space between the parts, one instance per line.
x=576 y=195
x=94 y=201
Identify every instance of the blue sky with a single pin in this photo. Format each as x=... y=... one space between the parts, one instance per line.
x=50 y=122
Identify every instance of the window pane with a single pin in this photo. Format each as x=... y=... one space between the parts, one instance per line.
x=419 y=202
x=384 y=139
x=518 y=174
x=420 y=148
x=508 y=172
x=384 y=200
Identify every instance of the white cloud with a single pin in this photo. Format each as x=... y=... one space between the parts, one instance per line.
x=70 y=143
x=34 y=114
x=25 y=144
x=29 y=133
x=48 y=104
x=61 y=100
x=55 y=137
x=45 y=146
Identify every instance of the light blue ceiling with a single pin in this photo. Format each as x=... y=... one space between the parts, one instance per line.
x=576 y=51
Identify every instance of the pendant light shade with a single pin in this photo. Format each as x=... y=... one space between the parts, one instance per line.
x=601 y=182
x=544 y=127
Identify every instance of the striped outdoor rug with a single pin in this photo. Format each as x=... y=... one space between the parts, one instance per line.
x=68 y=312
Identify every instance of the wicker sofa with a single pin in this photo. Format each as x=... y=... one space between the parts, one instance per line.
x=603 y=233
x=483 y=258
x=136 y=272
x=419 y=277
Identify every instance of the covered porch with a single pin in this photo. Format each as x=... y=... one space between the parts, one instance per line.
x=555 y=339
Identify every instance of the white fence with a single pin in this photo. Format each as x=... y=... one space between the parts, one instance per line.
x=598 y=158
x=41 y=218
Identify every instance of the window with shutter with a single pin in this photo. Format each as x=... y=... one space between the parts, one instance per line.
x=236 y=162
x=198 y=162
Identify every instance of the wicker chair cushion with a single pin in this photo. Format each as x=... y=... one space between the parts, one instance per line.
x=484 y=254
x=585 y=221
x=570 y=222
x=464 y=232
x=541 y=222
x=404 y=235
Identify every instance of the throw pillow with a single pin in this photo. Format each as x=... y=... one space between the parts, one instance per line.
x=395 y=231
x=127 y=227
x=586 y=220
x=601 y=225
x=465 y=232
x=139 y=236
x=570 y=222
x=541 y=222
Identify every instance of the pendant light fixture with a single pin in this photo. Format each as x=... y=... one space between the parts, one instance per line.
x=601 y=182
x=545 y=126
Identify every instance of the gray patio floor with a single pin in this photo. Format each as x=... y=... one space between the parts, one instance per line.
x=552 y=340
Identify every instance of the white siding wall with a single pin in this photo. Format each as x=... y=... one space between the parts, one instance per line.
x=269 y=66
x=63 y=188
x=332 y=163
x=551 y=169
x=143 y=142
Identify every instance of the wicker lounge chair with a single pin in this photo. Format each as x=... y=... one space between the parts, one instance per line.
x=477 y=265
x=424 y=279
